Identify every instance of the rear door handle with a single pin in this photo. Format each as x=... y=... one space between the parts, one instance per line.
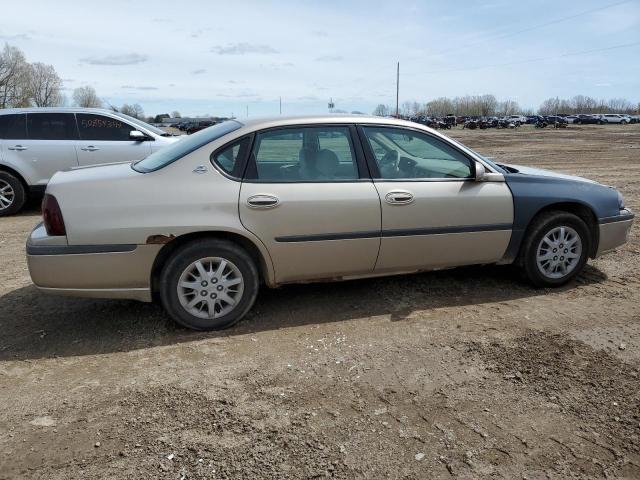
x=17 y=147
x=399 y=197
x=90 y=148
x=263 y=201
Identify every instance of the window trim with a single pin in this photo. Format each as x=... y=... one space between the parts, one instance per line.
x=75 y=122
x=361 y=164
x=241 y=164
x=373 y=165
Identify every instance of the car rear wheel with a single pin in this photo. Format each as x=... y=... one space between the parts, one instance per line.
x=12 y=194
x=556 y=249
x=209 y=284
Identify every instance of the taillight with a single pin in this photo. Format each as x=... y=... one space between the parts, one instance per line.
x=53 y=221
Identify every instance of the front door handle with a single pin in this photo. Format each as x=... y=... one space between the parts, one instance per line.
x=17 y=147
x=399 y=197
x=90 y=148
x=263 y=201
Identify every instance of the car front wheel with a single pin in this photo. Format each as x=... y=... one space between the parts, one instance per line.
x=12 y=194
x=556 y=249
x=209 y=284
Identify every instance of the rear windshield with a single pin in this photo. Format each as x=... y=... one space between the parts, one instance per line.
x=182 y=147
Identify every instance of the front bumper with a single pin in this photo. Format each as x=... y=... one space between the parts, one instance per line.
x=614 y=231
x=98 y=271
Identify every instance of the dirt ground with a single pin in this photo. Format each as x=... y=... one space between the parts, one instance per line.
x=467 y=373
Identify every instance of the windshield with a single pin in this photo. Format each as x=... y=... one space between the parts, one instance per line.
x=140 y=123
x=179 y=149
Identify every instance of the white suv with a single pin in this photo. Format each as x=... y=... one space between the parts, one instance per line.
x=35 y=143
x=614 y=118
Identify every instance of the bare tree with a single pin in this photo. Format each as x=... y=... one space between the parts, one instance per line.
x=14 y=75
x=175 y=114
x=134 y=110
x=86 y=97
x=45 y=85
x=381 y=110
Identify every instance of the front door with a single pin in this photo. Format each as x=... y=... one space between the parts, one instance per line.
x=306 y=198
x=434 y=214
x=106 y=139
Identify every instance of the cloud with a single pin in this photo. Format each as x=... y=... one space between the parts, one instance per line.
x=140 y=87
x=18 y=36
x=308 y=98
x=199 y=71
x=243 y=48
x=237 y=95
x=124 y=59
x=329 y=58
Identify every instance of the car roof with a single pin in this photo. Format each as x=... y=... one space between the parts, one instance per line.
x=283 y=121
x=55 y=110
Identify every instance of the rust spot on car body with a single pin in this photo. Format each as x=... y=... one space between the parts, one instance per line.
x=159 y=239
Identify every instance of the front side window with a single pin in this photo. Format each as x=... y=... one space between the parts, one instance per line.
x=100 y=127
x=304 y=154
x=13 y=126
x=185 y=146
x=408 y=154
x=229 y=159
x=51 y=126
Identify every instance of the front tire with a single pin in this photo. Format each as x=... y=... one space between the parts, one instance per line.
x=209 y=284
x=556 y=249
x=12 y=194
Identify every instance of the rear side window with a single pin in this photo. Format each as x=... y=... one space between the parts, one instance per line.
x=13 y=127
x=231 y=158
x=99 y=127
x=305 y=154
x=51 y=126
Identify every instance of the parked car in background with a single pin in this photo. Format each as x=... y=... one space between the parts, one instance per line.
x=35 y=143
x=197 y=126
x=571 y=118
x=614 y=118
x=301 y=199
x=584 y=119
x=521 y=119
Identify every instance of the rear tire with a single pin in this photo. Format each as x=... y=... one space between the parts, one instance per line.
x=209 y=284
x=12 y=194
x=556 y=249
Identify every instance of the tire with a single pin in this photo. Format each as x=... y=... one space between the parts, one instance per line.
x=12 y=194
x=542 y=226
x=179 y=269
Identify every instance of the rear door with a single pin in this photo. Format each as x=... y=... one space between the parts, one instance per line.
x=105 y=139
x=434 y=214
x=50 y=146
x=307 y=197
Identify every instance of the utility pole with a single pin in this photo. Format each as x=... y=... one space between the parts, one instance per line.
x=398 y=91
x=247 y=111
x=280 y=105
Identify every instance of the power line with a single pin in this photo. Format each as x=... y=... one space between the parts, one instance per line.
x=532 y=60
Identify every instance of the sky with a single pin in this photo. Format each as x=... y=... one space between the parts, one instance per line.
x=224 y=58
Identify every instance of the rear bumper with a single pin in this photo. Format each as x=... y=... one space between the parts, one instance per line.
x=99 y=271
x=614 y=231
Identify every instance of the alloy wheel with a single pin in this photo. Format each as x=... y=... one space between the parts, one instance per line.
x=559 y=252
x=7 y=195
x=210 y=287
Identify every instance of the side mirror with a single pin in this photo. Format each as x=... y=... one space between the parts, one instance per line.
x=481 y=173
x=137 y=136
